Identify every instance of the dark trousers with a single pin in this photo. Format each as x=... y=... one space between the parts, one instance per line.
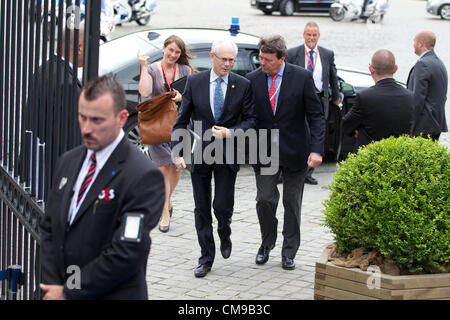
x=223 y=203
x=267 y=197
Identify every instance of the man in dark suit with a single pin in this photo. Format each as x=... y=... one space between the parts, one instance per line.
x=105 y=199
x=320 y=61
x=428 y=80
x=219 y=101
x=285 y=101
x=53 y=97
x=382 y=110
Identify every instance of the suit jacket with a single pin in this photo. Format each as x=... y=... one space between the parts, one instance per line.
x=111 y=268
x=54 y=98
x=298 y=108
x=329 y=74
x=52 y=76
x=238 y=112
x=382 y=110
x=428 y=81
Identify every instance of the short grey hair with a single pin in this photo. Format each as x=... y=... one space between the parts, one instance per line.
x=312 y=24
x=218 y=43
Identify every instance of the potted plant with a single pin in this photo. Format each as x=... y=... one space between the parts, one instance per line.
x=389 y=207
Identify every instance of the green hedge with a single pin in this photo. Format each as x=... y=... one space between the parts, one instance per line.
x=394 y=196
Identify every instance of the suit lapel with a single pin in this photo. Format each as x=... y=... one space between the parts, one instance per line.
x=110 y=170
x=262 y=83
x=408 y=85
x=301 y=56
x=325 y=67
x=72 y=175
x=206 y=95
x=284 y=88
x=229 y=95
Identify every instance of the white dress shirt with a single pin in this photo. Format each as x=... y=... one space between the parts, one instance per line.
x=317 y=74
x=101 y=156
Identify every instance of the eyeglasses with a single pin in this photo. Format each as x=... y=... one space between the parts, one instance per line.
x=225 y=60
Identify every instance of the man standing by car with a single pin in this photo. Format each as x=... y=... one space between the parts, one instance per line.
x=383 y=110
x=428 y=80
x=219 y=101
x=320 y=61
x=285 y=101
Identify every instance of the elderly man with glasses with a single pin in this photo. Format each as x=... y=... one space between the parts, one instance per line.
x=219 y=102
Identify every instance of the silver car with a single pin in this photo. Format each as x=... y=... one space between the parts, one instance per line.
x=439 y=8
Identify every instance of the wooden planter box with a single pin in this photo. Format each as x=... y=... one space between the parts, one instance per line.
x=340 y=283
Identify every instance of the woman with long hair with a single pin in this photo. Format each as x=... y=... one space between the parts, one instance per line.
x=155 y=79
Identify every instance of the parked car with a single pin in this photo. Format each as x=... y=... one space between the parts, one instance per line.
x=289 y=7
x=439 y=8
x=119 y=56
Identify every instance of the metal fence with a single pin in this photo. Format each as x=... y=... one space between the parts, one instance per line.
x=39 y=87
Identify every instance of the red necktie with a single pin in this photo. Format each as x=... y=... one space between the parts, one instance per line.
x=88 y=178
x=272 y=95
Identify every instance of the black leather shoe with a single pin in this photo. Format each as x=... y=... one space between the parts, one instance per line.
x=287 y=263
x=263 y=255
x=201 y=270
x=311 y=180
x=225 y=248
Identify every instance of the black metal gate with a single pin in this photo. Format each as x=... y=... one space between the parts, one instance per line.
x=39 y=87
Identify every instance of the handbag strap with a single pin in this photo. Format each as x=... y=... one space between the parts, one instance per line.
x=157 y=78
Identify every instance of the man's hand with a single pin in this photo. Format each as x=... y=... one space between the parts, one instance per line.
x=180 y=163
x=220 y=132
x=336 y=102
x=314 y=160
x=52 y=292
x=177 y=97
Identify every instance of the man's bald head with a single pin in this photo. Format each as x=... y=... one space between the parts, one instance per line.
x=428 y=38
x=423 y=41
x=383 y=63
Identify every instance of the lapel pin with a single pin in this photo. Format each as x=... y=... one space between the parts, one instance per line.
x=232 y=86
x=62 y=183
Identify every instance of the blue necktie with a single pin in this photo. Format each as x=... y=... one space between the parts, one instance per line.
x=311 y=64
x=218 y=99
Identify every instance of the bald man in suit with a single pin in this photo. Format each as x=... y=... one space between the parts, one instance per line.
x=428 y=80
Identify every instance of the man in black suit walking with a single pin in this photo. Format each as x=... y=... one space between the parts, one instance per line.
x=286 y=103
x=320 y=61
x=382 y=110
x=428 y=80
x=105 y=199
x=219 y=101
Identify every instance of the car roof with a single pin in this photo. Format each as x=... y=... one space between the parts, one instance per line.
x=118 y=53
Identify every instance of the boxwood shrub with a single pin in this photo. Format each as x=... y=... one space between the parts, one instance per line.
x=394 y=196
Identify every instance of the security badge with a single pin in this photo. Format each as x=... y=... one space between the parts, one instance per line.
x=132 y=227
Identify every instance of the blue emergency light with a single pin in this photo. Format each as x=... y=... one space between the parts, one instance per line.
x=234 y=27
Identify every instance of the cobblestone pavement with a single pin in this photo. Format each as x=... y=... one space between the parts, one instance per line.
x=175 y=254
